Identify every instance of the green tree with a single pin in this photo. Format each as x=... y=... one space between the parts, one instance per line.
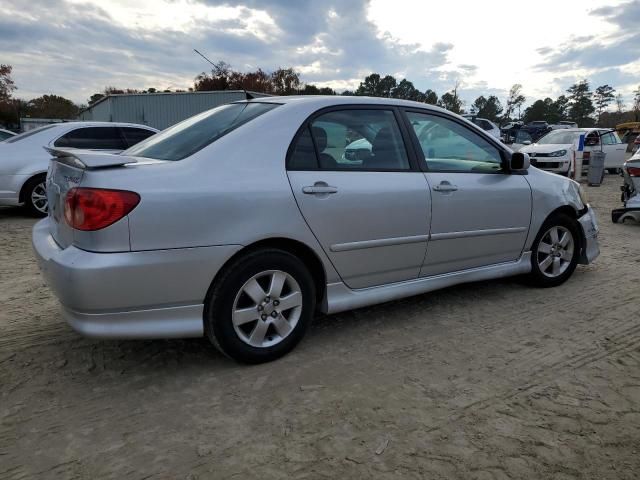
x=7 y=85
x=515 y=100
x=376 y=86
x=560 y=108
x=489 y=108
x=451 y=101
x=604 y=95
x=52 y=106
x=580 y=104
x=430 y=97
x=636 y=104
x=406 y=91
x=536 y=111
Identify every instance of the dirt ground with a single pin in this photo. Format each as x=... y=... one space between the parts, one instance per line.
x=492 y=380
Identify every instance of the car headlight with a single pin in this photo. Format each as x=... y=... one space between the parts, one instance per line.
x=558 y=153
x=583 y=196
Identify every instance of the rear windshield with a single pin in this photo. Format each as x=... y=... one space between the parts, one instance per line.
x=195 y=133
x=24 y=135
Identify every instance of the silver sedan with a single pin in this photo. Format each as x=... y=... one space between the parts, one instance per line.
x=242 y=222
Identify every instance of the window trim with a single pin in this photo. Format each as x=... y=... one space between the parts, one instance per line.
x=405 y=135
x=482 y=133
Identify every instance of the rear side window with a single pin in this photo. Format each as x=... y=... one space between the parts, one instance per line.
x=195 y=133
x=134 y=135
x=97 y=138
x=303 y=156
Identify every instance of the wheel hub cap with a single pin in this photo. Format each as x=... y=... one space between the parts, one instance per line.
x=267 y=308
x=555 y=251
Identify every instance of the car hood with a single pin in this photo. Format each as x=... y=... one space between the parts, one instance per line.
x=545 y=148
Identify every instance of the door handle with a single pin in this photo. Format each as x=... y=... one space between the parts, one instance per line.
x=445 y=187
x=319 y=188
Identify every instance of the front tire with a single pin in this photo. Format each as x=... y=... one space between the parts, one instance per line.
x=35 y=196
x=260 y=307
x=555 y=252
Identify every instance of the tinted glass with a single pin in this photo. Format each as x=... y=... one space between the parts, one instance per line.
x=195 y=133
x=24 y=135
x=5 y=135
x=98 y=138
x=303 y=156
x=359 y=140
x=134 y=135
x=448 y=146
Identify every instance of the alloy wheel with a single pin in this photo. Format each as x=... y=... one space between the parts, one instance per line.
x=267 y=308
x=39 y=198
x=555 y=251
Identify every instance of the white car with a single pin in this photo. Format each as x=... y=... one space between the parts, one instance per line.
x=4 y=134
x=24 y=161
x=555 y=151
x=487 y=125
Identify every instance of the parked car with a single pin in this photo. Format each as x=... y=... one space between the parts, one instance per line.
x=487 y=125
x=630 y=192
x=536 y=129
x=4 y=134
x=243 y=221
x=629 y=133
x=24 y=162
x=554 y=152
x=563 y=125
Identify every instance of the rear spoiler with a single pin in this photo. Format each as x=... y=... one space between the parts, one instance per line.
x=88 y=159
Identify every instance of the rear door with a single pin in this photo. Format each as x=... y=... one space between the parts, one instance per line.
x=480 y=215
x=370 y=211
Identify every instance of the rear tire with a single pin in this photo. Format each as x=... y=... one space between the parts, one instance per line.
x=613 y=171
x=555 y=252
x=260 y=307
x=35 y=196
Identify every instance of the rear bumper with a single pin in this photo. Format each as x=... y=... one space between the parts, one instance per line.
x=589 y=225
x=149 y=294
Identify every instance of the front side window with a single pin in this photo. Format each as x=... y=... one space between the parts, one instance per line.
x=96 y=138
x=358 y=140
x=195 y=133
x=450 y=147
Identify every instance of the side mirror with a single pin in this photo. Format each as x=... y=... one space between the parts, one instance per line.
x=527 y=142
x=519 y=161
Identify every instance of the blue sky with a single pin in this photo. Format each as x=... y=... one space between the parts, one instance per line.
x=77 y=47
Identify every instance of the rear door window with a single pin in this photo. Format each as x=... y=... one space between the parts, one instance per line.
x=93 y=138
x=134 y=135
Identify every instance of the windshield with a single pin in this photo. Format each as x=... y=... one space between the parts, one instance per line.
x=24 y=135
x=195 y=133
x=559 y=137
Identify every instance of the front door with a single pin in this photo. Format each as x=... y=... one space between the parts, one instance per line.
x=614 y=150
x=480 y=215
x=365 y=202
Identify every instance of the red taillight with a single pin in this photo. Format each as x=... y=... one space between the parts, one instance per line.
x=633 y=171
x=637 y=140
x=586 y=155
x=96 y=208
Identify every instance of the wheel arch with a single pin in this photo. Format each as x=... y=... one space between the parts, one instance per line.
x=570 y=212
x=23 y=192
x=302 y=251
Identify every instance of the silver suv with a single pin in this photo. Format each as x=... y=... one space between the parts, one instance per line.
x=241 y=222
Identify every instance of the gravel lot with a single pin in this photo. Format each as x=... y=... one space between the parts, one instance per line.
x=483 y=381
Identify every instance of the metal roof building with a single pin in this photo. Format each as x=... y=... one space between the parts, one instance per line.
x=160 y=110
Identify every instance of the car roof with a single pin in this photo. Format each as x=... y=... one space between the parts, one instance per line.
x=321 y=101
